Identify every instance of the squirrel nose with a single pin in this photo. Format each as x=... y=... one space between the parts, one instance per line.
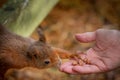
x=47 y=62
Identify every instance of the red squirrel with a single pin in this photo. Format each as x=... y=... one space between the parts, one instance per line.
x=19 y=52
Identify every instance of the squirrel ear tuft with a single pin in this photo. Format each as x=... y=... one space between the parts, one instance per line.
x=41 y=35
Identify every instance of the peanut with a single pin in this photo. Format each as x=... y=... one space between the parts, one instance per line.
x=74 y=63
x=78 y=60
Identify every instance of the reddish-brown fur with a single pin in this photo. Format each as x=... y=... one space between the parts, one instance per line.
x=19 y=52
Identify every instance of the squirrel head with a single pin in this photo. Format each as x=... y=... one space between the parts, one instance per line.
x=41 y=53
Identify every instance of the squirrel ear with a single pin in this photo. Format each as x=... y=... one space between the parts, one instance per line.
x=41 y=36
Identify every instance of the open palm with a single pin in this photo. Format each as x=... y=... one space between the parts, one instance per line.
x=104 y=55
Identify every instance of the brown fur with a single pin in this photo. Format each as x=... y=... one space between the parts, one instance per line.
x=19 y=52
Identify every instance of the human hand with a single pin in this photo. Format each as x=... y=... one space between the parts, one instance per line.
x=103 y=56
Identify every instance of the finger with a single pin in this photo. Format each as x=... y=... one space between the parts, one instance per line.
x=86 y=37
x=67 y=68
x=65 y=65
x=86 y=69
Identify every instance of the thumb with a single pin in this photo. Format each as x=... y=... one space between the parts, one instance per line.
x=86 y=37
